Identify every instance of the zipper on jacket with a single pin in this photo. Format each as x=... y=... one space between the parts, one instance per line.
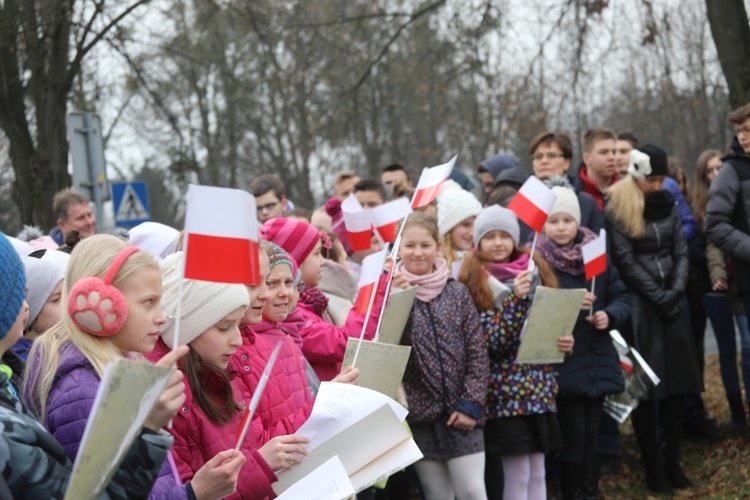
x=656 y=254
x=440 y=358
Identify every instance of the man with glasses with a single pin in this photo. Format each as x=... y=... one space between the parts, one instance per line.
x=728 y=211
x=270 y=198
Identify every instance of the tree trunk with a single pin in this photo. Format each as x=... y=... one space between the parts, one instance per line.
x=731 y=33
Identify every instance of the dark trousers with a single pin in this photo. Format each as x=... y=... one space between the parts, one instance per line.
x=579 y=422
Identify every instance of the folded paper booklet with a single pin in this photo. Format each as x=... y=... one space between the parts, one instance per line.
x=126 y=394
x=363 y=427
x=381 y=366
x=395 y=315
x=553 y=314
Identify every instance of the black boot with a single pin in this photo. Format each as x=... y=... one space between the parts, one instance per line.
x=673 y=410
x=737 y=407
x=645 y=426
x=570 y=477
x=590 y=485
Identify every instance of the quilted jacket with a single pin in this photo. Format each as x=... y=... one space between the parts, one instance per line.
x=324 y=343
x=448 y=368
x=197 y=439
x=728 y=213
x=69 y=404
x=34 y=465
x=286 y=398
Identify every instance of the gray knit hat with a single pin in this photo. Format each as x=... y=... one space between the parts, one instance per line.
x=41 y=277
x=496 y=218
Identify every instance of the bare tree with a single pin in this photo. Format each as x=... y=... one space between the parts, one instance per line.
x=42 y=47
x=729 y=26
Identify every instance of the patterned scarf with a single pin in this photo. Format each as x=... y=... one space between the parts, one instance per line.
x=566 y=259
x=314 y=298
x=430 y=285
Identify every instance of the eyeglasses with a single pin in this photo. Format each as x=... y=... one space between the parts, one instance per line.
x=268 y=206
x=742 y=130
x=551 y=155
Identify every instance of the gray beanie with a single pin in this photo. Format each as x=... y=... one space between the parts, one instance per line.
x=41 y=277
x=496 y=218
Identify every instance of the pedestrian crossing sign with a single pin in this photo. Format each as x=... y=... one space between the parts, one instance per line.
x=130 y=203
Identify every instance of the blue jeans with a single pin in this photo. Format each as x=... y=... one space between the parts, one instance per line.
x=723 y=324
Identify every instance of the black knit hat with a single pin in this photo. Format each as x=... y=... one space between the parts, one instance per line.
x=658 y=159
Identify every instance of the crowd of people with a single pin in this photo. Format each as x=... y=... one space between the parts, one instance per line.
x=73 y=301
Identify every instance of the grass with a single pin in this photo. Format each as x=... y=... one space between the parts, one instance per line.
x=719 y=470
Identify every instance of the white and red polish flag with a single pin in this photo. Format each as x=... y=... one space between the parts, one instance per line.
x=533 y=202
x=369 y=275
x=358 y=224
x=431 y=182
x=595 y=255
x=221 y=236
x=386 y=217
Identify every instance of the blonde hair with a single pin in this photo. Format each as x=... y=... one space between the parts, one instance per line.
x=448 y=249
x=626 y=202
x=91 y=257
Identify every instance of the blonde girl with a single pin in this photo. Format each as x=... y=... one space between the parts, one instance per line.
x=66 y=364
x=456 y=211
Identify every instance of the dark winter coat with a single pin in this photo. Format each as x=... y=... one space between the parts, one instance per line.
x=657 y=262
x=728 y=213
x=448 y=368
x=593 y=368
x=35 y=466
x=654 y=268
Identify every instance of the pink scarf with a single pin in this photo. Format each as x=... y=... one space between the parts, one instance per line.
x=505 y=271
x=430 y=285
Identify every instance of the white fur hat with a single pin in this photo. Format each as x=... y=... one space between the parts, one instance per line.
x=566 y=203
x=204 y=303
x=157 y=239
x=454 y=205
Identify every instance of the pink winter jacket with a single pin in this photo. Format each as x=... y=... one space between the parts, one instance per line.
x=197 y=439
x=324 y=344
x=286 y=401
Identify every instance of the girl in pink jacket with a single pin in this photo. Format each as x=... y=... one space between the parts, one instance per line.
x=212 y=416
x=323 y=343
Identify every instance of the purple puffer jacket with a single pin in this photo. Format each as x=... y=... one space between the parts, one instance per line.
x=68 y=407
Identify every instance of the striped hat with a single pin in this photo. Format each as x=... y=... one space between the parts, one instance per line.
x=297 y=237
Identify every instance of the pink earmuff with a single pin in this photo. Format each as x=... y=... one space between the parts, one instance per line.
x=97 y=307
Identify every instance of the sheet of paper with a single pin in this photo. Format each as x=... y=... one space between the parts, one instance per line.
x=381 y=366
x=553 y=314
x=126 y=394
x=396 y=315
x=337 y=406
x=357 y=445
x=328 y=482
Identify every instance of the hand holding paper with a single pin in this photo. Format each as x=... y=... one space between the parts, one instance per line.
x=282 y=452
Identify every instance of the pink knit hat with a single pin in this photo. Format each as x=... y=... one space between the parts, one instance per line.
x=297 y=237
